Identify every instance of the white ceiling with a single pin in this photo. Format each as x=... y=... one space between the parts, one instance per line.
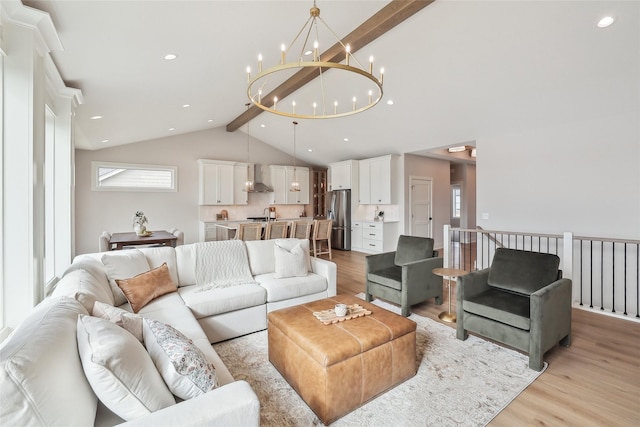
x=456 y=71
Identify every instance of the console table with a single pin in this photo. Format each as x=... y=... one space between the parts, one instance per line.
x=160 y=237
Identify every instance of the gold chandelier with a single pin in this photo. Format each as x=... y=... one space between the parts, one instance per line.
x=326 y=102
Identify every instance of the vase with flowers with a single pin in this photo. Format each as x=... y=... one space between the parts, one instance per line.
x=139 y=223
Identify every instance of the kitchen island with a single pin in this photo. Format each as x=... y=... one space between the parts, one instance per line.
x=226 y=230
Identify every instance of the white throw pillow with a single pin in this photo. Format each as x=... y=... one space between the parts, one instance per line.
x=304 y=243
x=129 y=321
x=289 y=262
x=119 y=369
x=183 y=366
x=123 y=265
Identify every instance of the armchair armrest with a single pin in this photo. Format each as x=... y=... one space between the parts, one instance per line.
x=470 y=285
x=551 y=312
x=234 y=404
x=421 y=269
x=379 y=261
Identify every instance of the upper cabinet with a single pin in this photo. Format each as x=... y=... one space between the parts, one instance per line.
x=280 y=177
x=377 y=178
x=343 y=175
x=221 y=182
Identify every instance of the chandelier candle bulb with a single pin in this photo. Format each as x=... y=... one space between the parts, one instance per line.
x=354 y=103
x=283 y=48
x=259 y=96
x=335 y=107
x=314 y=108
x=371 y=65
x=259 y=63
x=381 y=75
x=248 y=74
x=275 y=102
x=348 y=51
x=315 y=51
x=370 y=96
x=293 y=107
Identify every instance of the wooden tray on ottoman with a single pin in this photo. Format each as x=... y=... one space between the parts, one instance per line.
x=329 y=317
x=338 y=367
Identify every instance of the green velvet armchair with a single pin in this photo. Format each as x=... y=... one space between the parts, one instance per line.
x=520 y=301
x=405 y=276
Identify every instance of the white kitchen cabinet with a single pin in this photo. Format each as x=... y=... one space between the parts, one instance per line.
x=377 y=179
x=221 y=182
x=356 y=236
x=377 y=237
x=240 y=176
x=280 y=177
x=343 y=175
x=216 y=182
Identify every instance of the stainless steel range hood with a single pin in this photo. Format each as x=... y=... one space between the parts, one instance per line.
x=258 y=185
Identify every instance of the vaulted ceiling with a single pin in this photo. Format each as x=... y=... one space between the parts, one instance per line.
x=455 y=70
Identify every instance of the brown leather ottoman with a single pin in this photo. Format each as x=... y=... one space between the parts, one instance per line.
x=337 y=368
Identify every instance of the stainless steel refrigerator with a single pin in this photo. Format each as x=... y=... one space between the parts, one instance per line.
x=340 y=213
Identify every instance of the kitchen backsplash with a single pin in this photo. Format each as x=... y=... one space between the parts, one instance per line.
x=257 y=203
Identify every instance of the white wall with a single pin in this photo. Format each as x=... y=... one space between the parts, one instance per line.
x=98 y=211
x=582 y=177
x=439 y=171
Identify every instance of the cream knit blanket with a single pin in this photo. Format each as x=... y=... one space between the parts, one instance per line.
x=222 y=264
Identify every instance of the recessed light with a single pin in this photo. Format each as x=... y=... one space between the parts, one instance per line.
x=104 y=141
x=346 y=140
x=605 y=21
x=172 y=129
x=96 y=117
x=186 y=105
x=263 y=125
x=390 y=102
x=170 y=56
x=310 y=150
x=210 y=121
x=307 y=53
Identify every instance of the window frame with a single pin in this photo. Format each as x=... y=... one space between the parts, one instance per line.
x=96 y=165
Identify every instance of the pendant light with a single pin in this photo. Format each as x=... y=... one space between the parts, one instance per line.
x=295 y=184
x=248 y=184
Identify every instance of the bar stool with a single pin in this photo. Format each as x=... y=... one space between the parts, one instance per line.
x=322 y=232
x=276 y=230
x=249 y=231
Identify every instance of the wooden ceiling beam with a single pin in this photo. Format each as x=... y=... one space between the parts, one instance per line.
x=382 y=21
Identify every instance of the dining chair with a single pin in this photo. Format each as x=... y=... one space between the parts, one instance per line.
x=276 y=230
x=322 y=233
x=179 y=236
x=103 y=241
x=301 y=229
x=249 y=231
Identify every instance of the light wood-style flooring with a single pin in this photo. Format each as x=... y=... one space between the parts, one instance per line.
x=595 y=382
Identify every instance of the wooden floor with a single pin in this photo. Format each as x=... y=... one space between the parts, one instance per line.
x=595 y=382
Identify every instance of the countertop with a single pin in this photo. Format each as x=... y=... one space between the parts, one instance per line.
x=233 y=224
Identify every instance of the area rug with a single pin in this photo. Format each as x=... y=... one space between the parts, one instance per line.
x=459 y=383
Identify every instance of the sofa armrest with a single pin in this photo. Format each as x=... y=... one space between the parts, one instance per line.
x=234 y=404
x=379 y=261
x=327 y=269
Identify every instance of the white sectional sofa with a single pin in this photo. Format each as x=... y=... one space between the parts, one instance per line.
x=42 y=377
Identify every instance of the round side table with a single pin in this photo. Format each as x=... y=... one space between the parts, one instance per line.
x=449 y=273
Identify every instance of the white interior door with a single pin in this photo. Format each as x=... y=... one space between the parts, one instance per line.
x=421 y=210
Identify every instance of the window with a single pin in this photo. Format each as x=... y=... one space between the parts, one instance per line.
x=133 y=177
x=455 y=201
x=49 y=197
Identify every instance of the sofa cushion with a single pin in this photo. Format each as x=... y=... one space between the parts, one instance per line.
x=289 y=262
x=262 y=255
x=522 y=271
x=147 y=286
x=503 y=306
x=120 y=370
x=156 y=256
x=390 y=277
x=41 y=375
x=291 y=287
x=413 y=248
x=95 y=268
x=128 y=321
x=186 y=262
x=222 y=300
x=84 y=287
x=183 y=366
x=123 y=265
